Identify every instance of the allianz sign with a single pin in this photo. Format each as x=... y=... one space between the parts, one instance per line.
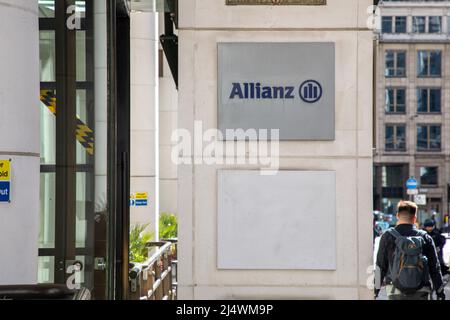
x=309 y=91
x=286 y=86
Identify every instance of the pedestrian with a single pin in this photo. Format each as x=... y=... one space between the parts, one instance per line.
x=407 y=259
x=439 y=242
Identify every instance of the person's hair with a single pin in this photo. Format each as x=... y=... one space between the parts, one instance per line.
x=407 y=209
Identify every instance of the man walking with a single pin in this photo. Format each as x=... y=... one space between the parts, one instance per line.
x=439 y=242
x=407 y=259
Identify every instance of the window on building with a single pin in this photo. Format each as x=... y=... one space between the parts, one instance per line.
x=429 y=63
x=395 y=63
x=395 y=100
x=386 y=25
x=428 y=176
x=428 y=100
x=395 y=137
x=434 y=24
x=429 y=137
x=400 y=24
x=419 y=24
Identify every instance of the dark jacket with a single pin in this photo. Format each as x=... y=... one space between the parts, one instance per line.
x=438 y=238
x=386 y=250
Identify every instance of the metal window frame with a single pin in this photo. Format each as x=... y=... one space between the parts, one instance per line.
x=428 y=126
x=395 y=142
x=66 y=168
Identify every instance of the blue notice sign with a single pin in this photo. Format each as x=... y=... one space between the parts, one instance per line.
x=141 y=203
x=5 y=191
x=411 y=183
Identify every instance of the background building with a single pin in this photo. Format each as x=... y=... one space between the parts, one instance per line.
x=413 y=106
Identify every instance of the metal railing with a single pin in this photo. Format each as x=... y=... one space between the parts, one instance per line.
x=155 y=279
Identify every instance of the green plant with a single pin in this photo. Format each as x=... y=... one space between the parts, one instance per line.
x=138 y=239
x=168 y=226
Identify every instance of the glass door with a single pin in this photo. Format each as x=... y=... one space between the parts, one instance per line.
x=74 y=144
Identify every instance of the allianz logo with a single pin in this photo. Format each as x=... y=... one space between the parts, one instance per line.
x=310 y=91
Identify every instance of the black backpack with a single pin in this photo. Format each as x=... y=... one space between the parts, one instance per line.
x=409 y=269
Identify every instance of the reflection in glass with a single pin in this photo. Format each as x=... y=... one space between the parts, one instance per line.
x=47 y=212
x=395 y=63
x=435 y=63
x=391 y=176
x=81 y=55
x=48 y=133
x=46 y=270
x=419 y=24
x=395 y=137
x=395 y=100
x=428 y=100
x=434 y=24
x=422 y=137
x=429 y=63
x=390 y=66
x=46 y=8
x=429 y=137
x=435 y=137
x=429 y=176
x=386 y=25
x=435 y=100
x=47 y=56
x=82 y=115
x=82 y=198
x=400 y=24
x=401 y=100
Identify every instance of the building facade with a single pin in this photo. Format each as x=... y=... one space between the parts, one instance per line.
x=413 y=106
x=218 y=241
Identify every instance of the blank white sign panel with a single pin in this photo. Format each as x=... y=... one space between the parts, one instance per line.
x=285 y=221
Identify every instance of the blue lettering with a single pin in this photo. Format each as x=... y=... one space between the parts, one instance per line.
x=278 y=92
x=267 y=93
x=236 y=91
x=289 y=91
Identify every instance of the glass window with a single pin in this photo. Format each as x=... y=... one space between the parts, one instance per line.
x=46 y=269
x=435 y=100
x=434 y=24
x=395 y=63
x=386 y=25
x=419 y=24
x=47 y=58
x=429 y=137
x=429 y=63
x=81 y=55
x=400 y=24
x=395 y=137
x=395 y=100
x=48 y=126
x=47 y=218
x=428 y=100
x=46 y=8
x=429 y=176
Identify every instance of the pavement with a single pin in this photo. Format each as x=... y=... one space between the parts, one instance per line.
x=383 y=295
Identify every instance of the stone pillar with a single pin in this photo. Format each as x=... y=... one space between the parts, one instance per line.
x=19 y=132
x=349 y=155
x=145 y=116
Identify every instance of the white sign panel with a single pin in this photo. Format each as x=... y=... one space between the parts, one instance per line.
x=420 y=199
x=286 y=221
